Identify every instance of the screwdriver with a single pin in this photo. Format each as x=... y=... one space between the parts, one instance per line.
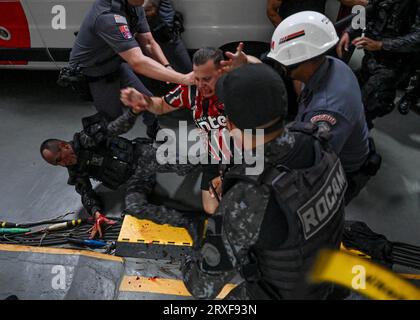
x=88 y=243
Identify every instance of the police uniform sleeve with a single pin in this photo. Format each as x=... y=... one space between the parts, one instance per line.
x=230 y=233
x=181 y=97
x=407 y=43
x=90 y=200
x=114 y=30
x=337 y=126
x=122 y=124
x=142 y=24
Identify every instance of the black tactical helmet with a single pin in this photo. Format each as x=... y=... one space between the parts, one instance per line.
x=254 y=95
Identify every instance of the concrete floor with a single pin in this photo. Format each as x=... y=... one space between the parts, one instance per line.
x=34 y=108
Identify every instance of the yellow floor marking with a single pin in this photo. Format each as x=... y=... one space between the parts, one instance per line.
x=162 y=286
x=96 y=255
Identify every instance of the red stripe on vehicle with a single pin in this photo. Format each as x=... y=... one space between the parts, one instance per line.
x=14 y=28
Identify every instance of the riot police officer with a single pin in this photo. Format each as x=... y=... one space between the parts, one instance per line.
x=390 y=41
x=269 y=226
x=99 y=153
x=113 y=44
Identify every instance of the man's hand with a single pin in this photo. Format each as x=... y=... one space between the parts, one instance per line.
x=343 y=45
x=368 y=44
x=100 y=219
x=217 y=185
x=236 y=59
x=188 y=79
x=135 y=100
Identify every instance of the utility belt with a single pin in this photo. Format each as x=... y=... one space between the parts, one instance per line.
x=110 y=77
x=72 y=77
x=162 y=32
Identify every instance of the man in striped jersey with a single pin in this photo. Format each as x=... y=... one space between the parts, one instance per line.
x=207 y=111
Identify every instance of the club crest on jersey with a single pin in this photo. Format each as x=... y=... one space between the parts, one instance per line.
x=125 y=31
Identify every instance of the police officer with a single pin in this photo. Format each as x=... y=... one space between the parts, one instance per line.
x=113 y=44
x=99 y=153
x=166 y=25
x=278 y=10
x=390 y=41
x=269 y=226
x=331 y=96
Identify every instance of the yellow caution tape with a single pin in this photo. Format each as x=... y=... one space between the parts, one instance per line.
x=362 y=276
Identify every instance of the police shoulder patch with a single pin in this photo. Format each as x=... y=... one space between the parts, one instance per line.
x=120 y=19
x=125 y=31
x=324 y=118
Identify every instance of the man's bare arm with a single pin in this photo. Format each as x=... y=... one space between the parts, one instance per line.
x=150 y=68
x=272 y=11
x=139 y=102
x=149 y=45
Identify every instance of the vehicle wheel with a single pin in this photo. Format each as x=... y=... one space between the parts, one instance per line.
x=253 y=48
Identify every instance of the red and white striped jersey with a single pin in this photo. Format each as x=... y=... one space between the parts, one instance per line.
x=208 y=114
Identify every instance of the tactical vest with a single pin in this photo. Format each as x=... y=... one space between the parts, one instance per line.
x=311 y=200
x=110 y=160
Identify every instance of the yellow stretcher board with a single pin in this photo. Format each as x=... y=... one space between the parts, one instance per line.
x=140 y=238
x=136 y=230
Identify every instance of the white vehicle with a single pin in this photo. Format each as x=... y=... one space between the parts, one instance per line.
x=39 y=34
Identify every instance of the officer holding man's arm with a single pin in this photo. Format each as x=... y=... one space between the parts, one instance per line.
x=113 y=44
x=268 y=227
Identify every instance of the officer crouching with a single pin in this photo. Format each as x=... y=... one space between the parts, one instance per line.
x=270 y=226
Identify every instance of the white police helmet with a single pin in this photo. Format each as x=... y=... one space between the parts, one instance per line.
x=301 y=37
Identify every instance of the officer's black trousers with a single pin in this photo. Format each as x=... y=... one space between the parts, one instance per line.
x=106 y=93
